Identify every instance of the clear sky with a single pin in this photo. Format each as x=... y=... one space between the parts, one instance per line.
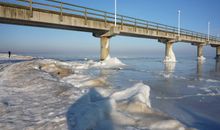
x=195 y=15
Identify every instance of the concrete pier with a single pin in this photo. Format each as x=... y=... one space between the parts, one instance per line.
x=105 y=41
x=169 y=54
x=104 y=48
x=218 y=52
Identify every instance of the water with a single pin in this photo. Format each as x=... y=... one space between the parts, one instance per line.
x=187 y=90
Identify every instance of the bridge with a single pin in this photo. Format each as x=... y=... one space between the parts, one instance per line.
x=61 y=15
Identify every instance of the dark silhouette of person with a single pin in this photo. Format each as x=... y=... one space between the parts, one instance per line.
x=9 y=54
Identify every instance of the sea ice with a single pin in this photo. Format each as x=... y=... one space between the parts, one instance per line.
x=50 y=94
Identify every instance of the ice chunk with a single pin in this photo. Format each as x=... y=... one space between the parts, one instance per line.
x=109 y=63
x=166 y=125
x=139 y=92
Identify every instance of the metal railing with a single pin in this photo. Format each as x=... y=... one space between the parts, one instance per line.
x=67 y=8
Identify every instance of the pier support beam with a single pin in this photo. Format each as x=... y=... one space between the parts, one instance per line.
x=169 y=54
x=104 y=54
x=200 y=56
x=218 y=52
x=105 y=41
x=200 y=53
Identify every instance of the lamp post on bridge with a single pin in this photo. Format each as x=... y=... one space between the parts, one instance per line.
x=115 y=13
x=208 y=30
x=179 y=23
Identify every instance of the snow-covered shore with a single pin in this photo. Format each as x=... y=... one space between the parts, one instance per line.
x=53 y=95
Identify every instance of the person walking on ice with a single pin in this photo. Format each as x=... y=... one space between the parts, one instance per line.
x=9 y=54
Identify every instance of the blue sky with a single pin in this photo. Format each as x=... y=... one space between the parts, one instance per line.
x=194 y=16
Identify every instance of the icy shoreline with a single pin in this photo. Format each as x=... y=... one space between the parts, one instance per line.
x=50 y=94
x=4 y=56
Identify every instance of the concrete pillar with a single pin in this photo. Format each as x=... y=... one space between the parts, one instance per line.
x=200 y=52
x=104 y=48
x=169 y=54
x=218 y=52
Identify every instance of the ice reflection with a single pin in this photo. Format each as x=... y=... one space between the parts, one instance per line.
x=169 y=67
x=217 y=65
x=199 y=68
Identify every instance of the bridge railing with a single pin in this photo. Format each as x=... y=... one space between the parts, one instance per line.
x=67 y=8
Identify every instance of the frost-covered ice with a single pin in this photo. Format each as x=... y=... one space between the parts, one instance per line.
x=109 y=63
x=50 y=94
x=129 y=108
x=171 y=57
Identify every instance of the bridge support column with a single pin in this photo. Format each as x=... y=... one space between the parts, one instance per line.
x=200 y=53
x=105 y=41
x=218 y=52
x=169 y=54
x=104 y=54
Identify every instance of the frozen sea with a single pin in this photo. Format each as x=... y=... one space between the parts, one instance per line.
x=188 y=91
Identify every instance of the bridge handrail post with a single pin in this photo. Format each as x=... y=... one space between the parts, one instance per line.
x=135 y=24
x=122 y=22
x=61 y=11
x=105 y=17
x=166 y=28
x=31 y=8
x=85 y=15
x=174 y=31
x=157 y=29
x=146 y=26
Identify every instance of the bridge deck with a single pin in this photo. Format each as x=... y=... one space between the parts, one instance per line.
x=55 y=14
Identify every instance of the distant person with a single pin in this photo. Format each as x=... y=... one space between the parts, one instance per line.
x=9 y=54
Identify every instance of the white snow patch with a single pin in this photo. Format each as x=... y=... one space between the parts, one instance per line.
x=109 y=63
